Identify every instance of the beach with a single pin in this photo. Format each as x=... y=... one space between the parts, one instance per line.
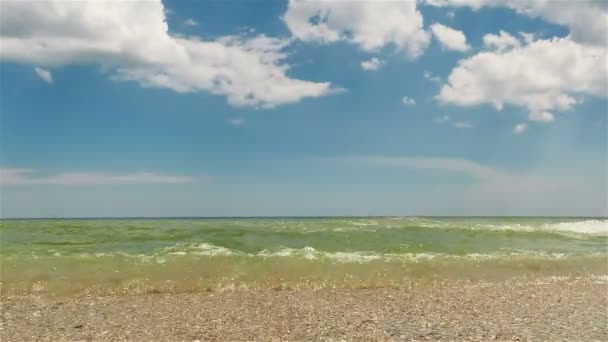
x=294 y=279
x=551 y=309
x=303 y=170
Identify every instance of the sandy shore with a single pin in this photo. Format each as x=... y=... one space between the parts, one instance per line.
x=566 y=309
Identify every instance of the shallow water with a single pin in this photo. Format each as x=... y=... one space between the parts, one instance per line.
x=139 y=255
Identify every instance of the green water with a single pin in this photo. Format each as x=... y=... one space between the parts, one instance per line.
x=126 y=255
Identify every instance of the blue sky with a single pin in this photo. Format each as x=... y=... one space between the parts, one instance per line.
x=303 y=108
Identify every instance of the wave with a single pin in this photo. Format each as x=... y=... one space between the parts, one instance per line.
x=592 y=227
x=363 y=257
x=311 y=254
x=587 y=227
x=200 y=249
x=595 y=227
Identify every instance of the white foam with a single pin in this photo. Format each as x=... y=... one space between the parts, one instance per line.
x=353 y=257
x=183 y=249
x=592 y=227
x=306 y=252
x=367 y=223
x=312 y=254
x=209 y=249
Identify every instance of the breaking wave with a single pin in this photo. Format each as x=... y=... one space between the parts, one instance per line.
x=586 y=227
x=310 y=253
x=592 y=227
x=596 y=227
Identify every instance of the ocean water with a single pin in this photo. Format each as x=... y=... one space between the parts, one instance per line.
x=172 y=255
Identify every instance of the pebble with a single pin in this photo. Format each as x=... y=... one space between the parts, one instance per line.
x=503 y=311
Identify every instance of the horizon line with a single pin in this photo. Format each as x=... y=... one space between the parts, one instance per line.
x=292 y=217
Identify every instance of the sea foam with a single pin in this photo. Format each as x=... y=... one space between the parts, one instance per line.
x=592 y=227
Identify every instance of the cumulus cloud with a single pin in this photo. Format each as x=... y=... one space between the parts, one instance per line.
x=131 y=39
x=587 y=20
x=408 y=101
x=527 y=37
x=44 y=74
x=372 y=64
x=500 y=42
x=14 y=176
x=542 y=77
x=368 y=24
x=520 y=128
x=450 y=38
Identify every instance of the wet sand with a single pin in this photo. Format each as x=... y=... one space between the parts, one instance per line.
x=564 y=309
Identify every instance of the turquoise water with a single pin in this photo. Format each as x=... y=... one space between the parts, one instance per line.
x=190 y=254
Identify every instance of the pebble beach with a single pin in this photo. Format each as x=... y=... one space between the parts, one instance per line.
x=551 y=309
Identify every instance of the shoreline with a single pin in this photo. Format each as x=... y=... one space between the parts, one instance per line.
x=69 y=276
x=556 y=308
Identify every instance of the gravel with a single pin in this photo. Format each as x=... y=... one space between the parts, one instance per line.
x=515 y=310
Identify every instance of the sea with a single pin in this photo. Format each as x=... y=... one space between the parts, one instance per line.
x=171 y=255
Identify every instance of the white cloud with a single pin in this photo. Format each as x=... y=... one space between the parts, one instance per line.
x=131 y=41
x=44 y=74
x=527 y=37
x=541 y=116
x=501 y=42
x=445 y=119
x=190 y=22
x=479 y=188
x=520 y=128
x=442 y=119
x=408 y=101
x=370 y=25
x=543 y=76
x=450 y=38
x=489 y=181
x=372 y=64
x=463 y=124
x=433 y=78
x=30 y=177
x=587 y=20
x=237 y=122
x=455 y=165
